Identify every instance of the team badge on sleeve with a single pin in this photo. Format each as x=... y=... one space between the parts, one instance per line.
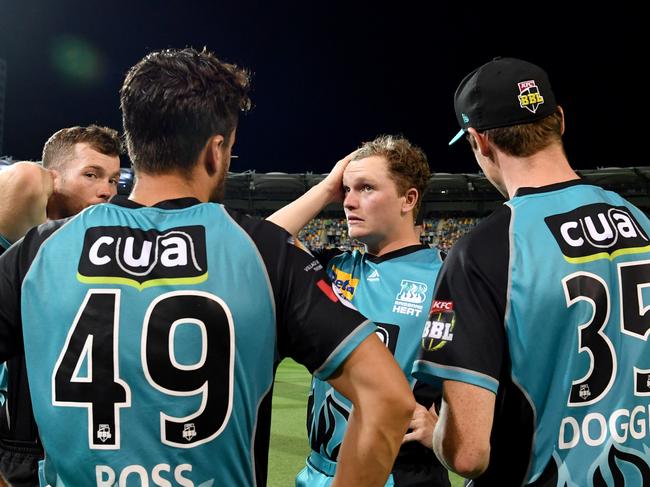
x=438 y=330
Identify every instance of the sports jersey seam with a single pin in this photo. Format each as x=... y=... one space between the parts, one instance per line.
x=459 y=369
x=542 y=194
x=254 y=435
x=163 y=210
x=342 y=345
x=40 y=249
x=515 y=382
x=260 y=259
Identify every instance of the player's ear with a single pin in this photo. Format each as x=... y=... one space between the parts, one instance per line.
x=559 y=108
x=480 y=142
x=214 y=154
x=56 y=179
x=410 y=200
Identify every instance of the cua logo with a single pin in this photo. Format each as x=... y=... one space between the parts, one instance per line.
x=143 y=258
x=597 y=231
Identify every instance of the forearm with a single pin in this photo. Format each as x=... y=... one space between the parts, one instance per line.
x=383 y=406
x=461 y=438
x=370 y=446
x=297 y=214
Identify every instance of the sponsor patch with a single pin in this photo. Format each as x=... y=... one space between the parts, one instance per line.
x=438 y=330
x=597 y=231
x=143 y=258
x=344 y=282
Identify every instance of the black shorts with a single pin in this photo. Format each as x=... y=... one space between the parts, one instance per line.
x=421 y=475
x=19 y=462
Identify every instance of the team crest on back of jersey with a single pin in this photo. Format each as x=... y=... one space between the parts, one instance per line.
x=597 y=231
x=143 y=258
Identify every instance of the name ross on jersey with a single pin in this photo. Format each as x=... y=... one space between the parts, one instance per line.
x=161 y=476
x=596 y=429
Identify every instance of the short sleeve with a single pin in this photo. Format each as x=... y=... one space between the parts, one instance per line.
x=314 y=328
x=464 y=337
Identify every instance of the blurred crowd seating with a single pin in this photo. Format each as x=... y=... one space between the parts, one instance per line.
x=325 y=233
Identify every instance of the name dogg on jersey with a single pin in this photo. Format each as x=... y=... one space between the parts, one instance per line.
x=596 y=429
x=596 y=232
x=143 y=258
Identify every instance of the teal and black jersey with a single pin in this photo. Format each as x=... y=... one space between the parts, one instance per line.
x=151 y=336
x=394 y=291
x=4 y=244
x=545 y=304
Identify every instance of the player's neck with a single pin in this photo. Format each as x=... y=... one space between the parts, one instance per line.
x=394 y=242
x=549 y=166
x=151 y=189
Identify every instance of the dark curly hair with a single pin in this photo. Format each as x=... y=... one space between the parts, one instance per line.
x=173 y=101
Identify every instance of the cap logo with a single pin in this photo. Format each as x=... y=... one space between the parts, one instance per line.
x=529 y=96
x=465 y=118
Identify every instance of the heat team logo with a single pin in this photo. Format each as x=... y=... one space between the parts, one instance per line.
x=529 y=96
x=410 y=297
x=438 y=330
x=598 y=231
x=143 y=258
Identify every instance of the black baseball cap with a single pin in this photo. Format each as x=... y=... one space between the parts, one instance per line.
x=501 y=93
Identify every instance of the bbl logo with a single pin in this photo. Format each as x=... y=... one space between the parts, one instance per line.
x=104 y=432
x=529 y=96
x=189 y=431
x=438 y=328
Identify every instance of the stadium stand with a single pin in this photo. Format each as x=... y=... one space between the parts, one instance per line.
x=453 y=204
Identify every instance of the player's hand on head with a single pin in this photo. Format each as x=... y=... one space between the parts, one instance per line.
x=333 y=182
x=421 y=426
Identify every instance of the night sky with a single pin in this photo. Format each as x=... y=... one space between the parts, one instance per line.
x=329 y=75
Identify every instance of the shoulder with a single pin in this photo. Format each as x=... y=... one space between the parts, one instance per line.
x=25 y=175
x=483 y=239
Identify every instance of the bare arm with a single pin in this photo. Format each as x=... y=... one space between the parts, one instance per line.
x=297 y=214
x=383 y=405
x=25 y=188
x=461 y=438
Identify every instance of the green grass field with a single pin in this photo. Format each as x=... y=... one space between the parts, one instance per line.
x=288 y=431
